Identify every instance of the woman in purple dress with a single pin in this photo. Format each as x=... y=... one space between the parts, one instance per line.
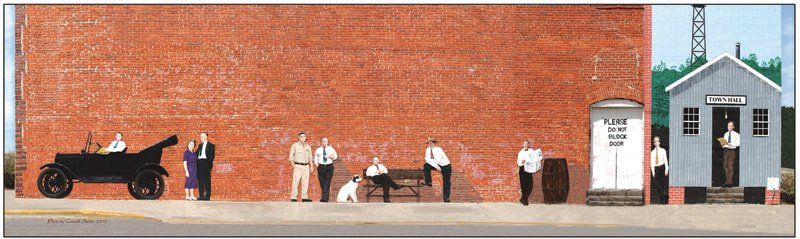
x=190 y=168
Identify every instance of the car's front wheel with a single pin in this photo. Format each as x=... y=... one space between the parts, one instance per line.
x=53 y=183
x=148 y=184
x=131 y=191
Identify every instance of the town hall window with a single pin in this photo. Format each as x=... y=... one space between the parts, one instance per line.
x=691 y=121
x=760 y=122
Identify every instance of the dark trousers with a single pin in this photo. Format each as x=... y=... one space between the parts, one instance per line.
x=325 y=174
x=660 y=184
x=525 y=183
x=385 y=181
x=446 y=171
x=203 y=179
x=729 y=155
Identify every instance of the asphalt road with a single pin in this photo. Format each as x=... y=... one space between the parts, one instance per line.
x=88 y=226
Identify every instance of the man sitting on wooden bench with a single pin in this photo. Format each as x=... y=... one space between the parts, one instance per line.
x=380 y=175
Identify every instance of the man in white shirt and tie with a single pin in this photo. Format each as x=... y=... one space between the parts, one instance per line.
x=659 y=167
x=117 y=145
x=729 y=153
x=380 y=175
x=436 y=159
x=324 y=157
x=205 y=162
x=528 y=161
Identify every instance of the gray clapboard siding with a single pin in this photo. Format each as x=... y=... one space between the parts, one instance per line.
x=690 y=155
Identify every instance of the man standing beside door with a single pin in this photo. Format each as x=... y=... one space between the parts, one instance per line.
x=729 y=153
x=659 y=168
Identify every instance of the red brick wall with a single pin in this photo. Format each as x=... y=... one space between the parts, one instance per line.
x=19 y=76
x=646 y=73
x=676 y=195
x=772 y=197
x=376 y=80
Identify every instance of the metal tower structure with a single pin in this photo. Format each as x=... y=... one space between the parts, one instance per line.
x=698 y=35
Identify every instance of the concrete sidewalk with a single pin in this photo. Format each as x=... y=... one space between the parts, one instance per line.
x=733 y=218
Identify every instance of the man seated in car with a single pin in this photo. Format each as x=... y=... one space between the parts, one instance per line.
x=116 y=146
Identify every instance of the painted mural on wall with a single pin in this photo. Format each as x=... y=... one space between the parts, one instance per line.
x=616 y=146
x=386 y=113
x=733 y=75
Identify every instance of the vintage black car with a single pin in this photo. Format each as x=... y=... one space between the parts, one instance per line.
x=141 y=171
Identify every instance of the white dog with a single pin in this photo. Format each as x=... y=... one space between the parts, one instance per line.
x=349 y=190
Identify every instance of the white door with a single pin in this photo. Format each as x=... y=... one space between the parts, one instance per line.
x=616 y=145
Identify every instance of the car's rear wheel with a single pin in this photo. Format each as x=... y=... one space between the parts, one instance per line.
x=148 y=184
x=53 y=183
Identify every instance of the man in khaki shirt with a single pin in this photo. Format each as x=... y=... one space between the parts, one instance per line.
x=300 y=158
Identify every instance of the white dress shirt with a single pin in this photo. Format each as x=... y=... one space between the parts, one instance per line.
x=523 y=156
x=329 y=151
x=116 y=146
x=662 y=160
x=439 y=158
x=531 y=159
x=203 y=151
x=734 y=142
x=376 y=170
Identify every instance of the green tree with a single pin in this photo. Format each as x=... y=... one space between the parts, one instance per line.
x=663 y=76
x=787 y=137
x=8 y=169
x=771 y=68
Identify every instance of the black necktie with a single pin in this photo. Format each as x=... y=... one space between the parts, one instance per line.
x=324 y=158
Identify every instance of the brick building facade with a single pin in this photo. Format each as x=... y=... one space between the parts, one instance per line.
x=375 y=80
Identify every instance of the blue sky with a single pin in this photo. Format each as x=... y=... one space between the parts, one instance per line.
x=766 y=30
x=787 y=56
x=8 y=80
x=757 y=27
x=761 y=29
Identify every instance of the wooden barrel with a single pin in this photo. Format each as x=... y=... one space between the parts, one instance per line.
x=555 y=180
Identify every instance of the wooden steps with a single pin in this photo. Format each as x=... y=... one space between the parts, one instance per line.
x=720 y=195
x=614 y=197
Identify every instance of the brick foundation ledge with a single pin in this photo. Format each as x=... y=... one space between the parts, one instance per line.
x=676 y=195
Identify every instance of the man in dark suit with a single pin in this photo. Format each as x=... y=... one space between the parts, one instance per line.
x=205 y=161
